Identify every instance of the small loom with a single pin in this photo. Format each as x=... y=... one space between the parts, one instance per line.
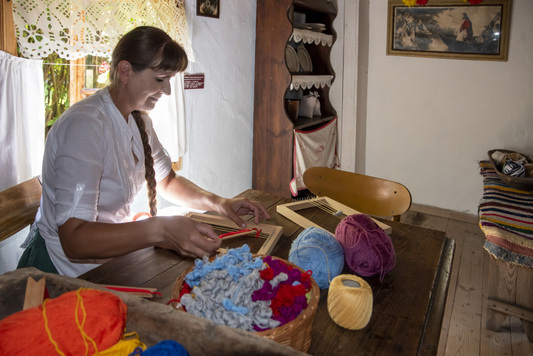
x=270 y=233
x=292 y=211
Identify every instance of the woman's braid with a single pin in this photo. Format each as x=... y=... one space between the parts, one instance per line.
x=148 y=164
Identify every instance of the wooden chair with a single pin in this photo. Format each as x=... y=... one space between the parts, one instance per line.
x=18 y=206
x=366 y=194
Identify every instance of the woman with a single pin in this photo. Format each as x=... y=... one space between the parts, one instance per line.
x=97 y=157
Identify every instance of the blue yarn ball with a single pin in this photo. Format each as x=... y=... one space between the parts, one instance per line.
x=317 y=250
x=166 y=348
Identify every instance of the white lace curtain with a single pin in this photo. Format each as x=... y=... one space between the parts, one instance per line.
x=76 y=28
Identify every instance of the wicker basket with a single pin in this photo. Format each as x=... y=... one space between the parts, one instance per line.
x=296 y=333
x=522 y=183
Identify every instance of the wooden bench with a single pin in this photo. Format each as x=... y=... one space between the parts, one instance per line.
x=18 y=206
x=505 y=219
x=510 y=292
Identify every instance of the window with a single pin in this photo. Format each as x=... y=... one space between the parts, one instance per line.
x=68 y=81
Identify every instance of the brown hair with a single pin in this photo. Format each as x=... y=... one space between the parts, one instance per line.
x=147 y=47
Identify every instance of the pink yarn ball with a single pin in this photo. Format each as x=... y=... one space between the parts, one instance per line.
x=368 y=250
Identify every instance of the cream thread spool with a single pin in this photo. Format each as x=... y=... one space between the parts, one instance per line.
x=350 y=301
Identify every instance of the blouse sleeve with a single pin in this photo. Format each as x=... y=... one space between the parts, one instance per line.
x=79 y=148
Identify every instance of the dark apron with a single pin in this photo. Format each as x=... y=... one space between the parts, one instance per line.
x=36 y=254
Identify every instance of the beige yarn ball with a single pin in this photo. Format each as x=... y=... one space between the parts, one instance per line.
x=350 y=301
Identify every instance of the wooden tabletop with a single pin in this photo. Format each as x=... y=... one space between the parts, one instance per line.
x=408 y=306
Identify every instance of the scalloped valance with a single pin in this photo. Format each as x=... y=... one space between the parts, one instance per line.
x=308 y=36
x=76 y=28
x=310 y=81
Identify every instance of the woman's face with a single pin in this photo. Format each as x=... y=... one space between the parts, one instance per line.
x=144 y=88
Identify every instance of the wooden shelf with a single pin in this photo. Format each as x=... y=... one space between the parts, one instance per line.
x=306 y=122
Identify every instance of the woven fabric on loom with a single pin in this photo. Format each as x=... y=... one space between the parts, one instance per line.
x=506 y=219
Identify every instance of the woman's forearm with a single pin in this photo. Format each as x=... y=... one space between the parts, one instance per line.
x=94 y=240
x=182 y=191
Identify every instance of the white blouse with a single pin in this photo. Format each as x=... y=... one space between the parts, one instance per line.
x=89 y=171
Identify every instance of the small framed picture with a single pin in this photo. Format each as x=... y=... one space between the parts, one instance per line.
x=450 y=29
x=208 y=8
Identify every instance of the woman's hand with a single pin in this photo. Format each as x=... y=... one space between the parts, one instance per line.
x=236 y=207
x=188 y=237
x=182 y=191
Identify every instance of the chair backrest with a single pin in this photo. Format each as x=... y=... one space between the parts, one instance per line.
x=18 y=206
x=366 y=194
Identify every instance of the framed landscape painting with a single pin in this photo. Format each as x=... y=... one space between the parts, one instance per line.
x=450 y=29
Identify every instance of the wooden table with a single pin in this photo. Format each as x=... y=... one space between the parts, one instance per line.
x=408 y=306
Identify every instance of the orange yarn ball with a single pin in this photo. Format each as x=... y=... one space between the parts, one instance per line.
x=80 y=322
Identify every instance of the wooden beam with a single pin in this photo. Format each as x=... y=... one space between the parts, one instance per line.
x=8 y=41
x=510 y=309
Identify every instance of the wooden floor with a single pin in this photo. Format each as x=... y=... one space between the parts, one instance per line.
x=463 y=329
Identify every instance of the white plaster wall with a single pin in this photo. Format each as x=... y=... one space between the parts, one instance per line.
x=429 y=121
x=220 y=116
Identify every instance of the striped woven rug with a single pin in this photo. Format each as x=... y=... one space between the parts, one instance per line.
x=506 y=219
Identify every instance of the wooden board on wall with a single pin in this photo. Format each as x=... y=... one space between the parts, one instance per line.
x=273 y=131
x=8 y=41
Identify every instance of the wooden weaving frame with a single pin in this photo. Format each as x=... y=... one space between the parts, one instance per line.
x=274 y=232
x=290 y=211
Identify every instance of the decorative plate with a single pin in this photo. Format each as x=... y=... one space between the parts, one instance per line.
x=292 y=59
x=305 y=59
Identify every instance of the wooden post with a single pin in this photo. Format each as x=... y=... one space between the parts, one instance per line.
x=77 y=77
x=8 y=41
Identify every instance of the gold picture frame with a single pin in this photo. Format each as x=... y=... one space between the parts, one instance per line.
x=208 y=8
x=450 y=29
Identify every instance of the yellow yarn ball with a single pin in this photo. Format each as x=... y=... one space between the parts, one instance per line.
x=350 y=301
x=123 y=348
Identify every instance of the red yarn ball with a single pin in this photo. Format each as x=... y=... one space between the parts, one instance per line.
x=24 y=333
x=368 y=250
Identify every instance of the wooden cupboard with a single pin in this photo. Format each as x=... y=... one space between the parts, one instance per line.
x=306 y=24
